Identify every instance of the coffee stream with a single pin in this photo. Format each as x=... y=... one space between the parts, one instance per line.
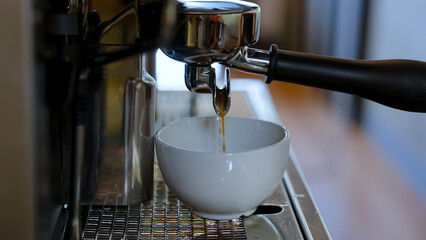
x=222 y=102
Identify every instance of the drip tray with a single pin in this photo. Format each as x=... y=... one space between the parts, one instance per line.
x=166 y=217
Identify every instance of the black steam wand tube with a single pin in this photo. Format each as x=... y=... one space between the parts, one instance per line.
x=398 y=84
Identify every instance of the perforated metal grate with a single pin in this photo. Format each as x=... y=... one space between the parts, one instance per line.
x=164 y=217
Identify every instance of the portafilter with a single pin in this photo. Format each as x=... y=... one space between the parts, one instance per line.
x=221 y=31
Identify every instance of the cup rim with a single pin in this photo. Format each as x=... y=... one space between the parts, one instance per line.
x=158 y=139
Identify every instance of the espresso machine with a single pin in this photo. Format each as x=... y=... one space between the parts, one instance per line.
x=95 y=109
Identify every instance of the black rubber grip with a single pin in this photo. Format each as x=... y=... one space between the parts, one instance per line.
x=399 y=84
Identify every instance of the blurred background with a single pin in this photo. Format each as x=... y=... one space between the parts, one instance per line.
x=365 y=163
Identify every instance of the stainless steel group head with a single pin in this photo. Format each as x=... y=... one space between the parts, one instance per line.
x=211 y=31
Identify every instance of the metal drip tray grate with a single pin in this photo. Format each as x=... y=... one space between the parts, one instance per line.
x=164 y=217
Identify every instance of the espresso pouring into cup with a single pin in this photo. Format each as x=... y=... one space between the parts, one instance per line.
x=65 y=58
x=217 y=184
x=222 y=31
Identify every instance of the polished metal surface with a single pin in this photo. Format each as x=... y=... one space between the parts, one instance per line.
x=210 y=31
x=164 y=217
x=138 y=139
x=215 y=7
x=200 y=79
x=250 y=60
x=304 y=205
x=74 y=223
x=122 y=128
x=123 y=122
x=216 y=31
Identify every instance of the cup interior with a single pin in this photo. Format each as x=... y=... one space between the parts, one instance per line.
x=204 y=134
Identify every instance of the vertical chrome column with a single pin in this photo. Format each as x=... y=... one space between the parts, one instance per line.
x=139 y=136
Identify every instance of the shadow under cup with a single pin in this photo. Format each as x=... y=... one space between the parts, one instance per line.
x=217 y=184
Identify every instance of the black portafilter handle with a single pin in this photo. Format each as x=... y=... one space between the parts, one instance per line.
x=398 y=84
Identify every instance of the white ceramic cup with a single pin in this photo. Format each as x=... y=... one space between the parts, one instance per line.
x=217 y=184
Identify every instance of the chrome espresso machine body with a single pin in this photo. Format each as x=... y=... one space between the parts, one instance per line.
x=91 y=174
x=93 y=110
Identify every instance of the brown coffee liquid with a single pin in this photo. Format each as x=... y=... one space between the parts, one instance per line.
x=222 y=119
x=222 y=102
x=222 y=105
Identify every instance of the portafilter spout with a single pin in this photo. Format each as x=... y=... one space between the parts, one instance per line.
x=208 y=32
x=220 y=31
